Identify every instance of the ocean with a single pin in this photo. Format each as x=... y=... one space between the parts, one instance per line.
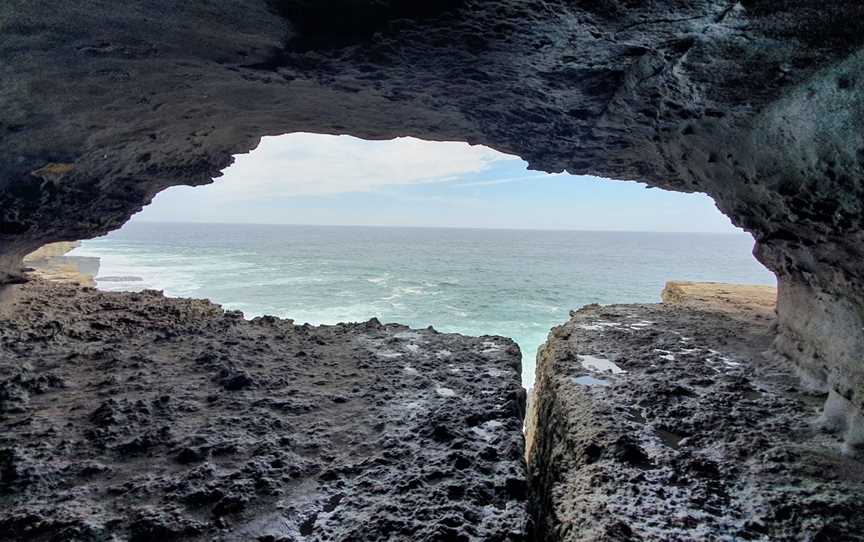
x=515 y=283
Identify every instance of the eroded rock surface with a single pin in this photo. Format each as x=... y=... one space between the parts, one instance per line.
x=663 y=422
x=757 y=103
x=131 y=416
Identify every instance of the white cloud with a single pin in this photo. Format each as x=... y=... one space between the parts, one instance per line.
x=508 y=180
x=315 y=164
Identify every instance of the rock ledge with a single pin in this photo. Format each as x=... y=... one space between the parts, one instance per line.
x=139 y=417
x=664 y=422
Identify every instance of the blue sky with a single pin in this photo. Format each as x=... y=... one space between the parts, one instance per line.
x=341 y=180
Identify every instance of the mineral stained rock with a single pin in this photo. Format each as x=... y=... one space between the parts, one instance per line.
x=663 y=422
x=757 y=103
x=131 y=416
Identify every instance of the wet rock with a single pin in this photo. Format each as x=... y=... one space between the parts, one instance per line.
x=695 y=436
x=756 y=103
x=109 y=414
x=233 y=380
x=168 y=523
x=15 y=391
x=13 y=398
x=211 y=427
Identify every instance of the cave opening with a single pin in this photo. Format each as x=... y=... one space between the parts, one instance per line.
x=262 y=429
x=327 y=229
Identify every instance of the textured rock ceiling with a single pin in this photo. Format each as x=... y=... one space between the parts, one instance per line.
x=755 y=102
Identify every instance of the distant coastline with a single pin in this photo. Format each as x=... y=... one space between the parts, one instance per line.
x=421 y=227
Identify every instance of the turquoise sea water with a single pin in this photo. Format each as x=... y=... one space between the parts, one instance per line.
x=516 y=283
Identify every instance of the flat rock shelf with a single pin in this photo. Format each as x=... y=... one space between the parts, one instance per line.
x=131 y=416
x=665 y=422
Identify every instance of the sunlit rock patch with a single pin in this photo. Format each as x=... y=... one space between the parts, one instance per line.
x=664 y=422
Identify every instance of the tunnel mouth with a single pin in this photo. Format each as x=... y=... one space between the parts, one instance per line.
x=420 y=274
x=756 y=103
x=479 y=304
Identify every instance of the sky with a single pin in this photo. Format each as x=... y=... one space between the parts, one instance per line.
x=341 y=180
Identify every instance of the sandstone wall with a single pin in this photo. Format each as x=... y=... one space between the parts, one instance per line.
x=52 y=250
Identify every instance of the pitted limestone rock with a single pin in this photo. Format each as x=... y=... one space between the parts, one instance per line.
x=757 y=103
x=138 y=417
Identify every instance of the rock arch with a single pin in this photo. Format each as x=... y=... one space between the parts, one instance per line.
x=755 y=102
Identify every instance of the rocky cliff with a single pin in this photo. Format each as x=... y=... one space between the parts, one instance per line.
x=137 y=417
x=757 y=103
x=664 y=422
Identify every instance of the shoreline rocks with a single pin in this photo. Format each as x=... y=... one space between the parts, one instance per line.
x=141 y=417
x=51 y=263
x=664 y=422
x=51 y=250
x=73 y=270
x=137 y=416
x=757 y=104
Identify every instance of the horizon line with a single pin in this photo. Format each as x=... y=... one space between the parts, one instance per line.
x=740 y=232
